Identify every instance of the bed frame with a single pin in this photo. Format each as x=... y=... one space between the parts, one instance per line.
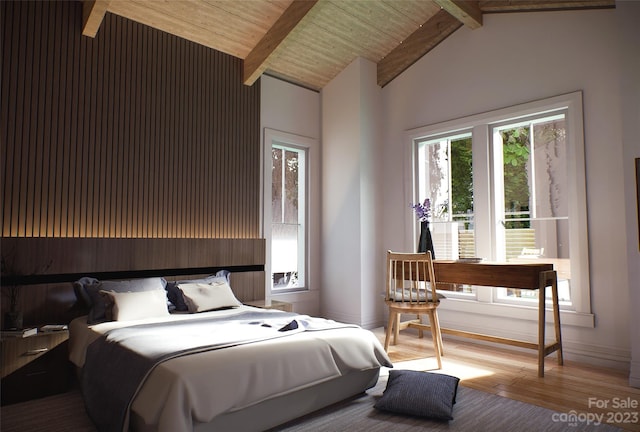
x=282 y=409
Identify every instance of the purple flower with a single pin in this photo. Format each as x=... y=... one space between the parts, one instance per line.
x=423 y=210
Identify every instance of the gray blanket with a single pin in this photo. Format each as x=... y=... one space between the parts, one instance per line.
x=118 y=362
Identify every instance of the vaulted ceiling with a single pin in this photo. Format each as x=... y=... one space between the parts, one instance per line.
x=309 y=42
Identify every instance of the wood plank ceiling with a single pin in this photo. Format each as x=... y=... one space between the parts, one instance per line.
x=309 y=42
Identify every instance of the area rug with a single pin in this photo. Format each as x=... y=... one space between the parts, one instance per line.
x=474 y=411
x=59 y=413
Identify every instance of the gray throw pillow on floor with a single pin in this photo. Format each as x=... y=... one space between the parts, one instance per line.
x=422 y=394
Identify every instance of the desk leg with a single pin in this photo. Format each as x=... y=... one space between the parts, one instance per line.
x=556 y=317
x=541 y=323
x=548 y=278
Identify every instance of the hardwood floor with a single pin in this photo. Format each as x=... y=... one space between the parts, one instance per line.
x=572 y=389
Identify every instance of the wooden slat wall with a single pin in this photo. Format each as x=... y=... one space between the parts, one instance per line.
x=133 y=134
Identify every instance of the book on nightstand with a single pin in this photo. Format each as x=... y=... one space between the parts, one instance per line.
x=53 y=328
x=20 y=333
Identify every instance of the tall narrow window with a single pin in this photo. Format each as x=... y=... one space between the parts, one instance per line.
x=288 y=204
x=534 y=212
x=445 y=176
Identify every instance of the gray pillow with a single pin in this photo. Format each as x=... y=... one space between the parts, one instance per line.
x=421 y=394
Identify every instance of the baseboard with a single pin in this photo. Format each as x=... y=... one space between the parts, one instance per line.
x=634 y=374
x=597 y=355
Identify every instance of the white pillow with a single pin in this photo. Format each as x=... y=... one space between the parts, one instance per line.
x=201 y=297
x=137 y=305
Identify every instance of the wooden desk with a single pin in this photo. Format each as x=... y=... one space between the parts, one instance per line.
x=532 y=276
x=562 y=266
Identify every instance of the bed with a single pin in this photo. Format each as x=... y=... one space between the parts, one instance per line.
x=146 y=364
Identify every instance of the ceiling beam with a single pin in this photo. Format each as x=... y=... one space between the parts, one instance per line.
x=467 y=12
x=93 y=12
x=420 y=42
x=257 y=61
x=500 y=6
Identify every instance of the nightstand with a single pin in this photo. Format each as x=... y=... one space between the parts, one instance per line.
x=272 y=304
x=34 y=366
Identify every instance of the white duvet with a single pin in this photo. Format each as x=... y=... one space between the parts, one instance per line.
x=202 y=386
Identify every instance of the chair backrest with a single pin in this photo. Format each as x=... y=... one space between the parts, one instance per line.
x=407 y=277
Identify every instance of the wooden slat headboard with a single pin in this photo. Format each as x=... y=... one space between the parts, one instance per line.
x=68 y=259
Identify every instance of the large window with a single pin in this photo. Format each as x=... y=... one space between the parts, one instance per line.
x=508 y=186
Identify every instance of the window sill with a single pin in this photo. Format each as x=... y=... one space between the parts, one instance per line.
x=295 y=296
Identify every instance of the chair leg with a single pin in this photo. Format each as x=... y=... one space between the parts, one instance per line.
x=387 y=337
x=436 y=325
x=434 y=335
x=420 y=333
x=396 y=328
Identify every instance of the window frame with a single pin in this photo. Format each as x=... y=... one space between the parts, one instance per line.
x=484 y=180
x=282 y=139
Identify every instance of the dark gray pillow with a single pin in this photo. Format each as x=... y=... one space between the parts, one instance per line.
x=421 y=394
x=80 y=287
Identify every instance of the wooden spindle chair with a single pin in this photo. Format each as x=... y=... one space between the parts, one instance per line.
x=407 y=292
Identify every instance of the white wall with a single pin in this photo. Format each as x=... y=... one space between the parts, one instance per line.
x=350 y=155
x=628 y=14
x=513 y=59
x=296 y=110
